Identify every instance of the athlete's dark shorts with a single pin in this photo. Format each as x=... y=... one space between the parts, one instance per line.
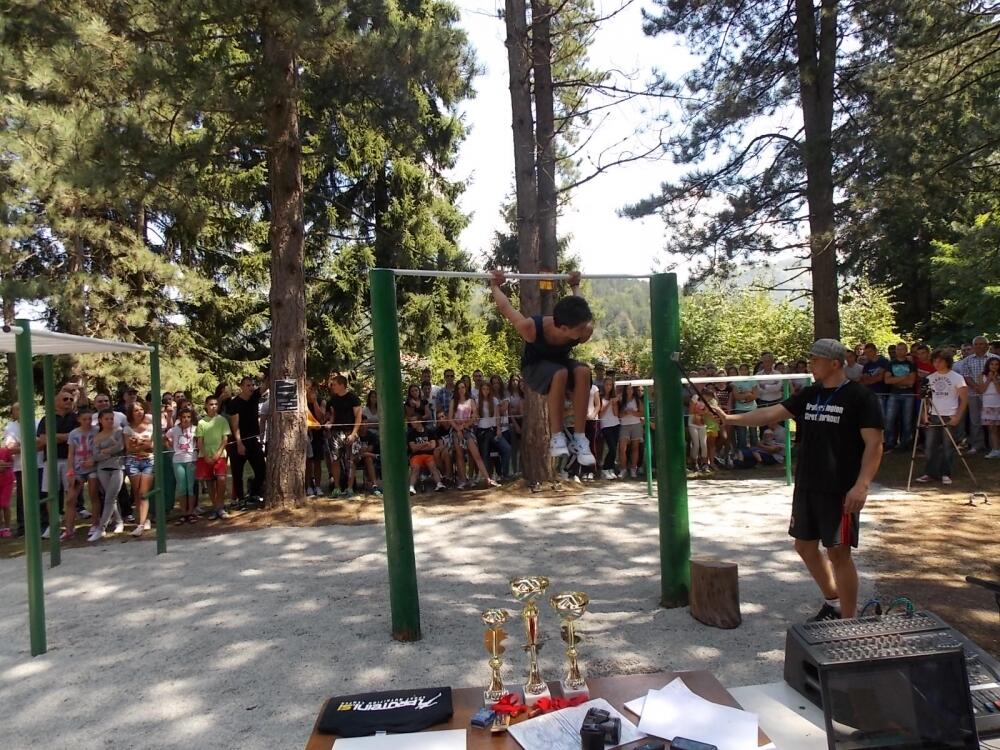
x=538 y=375
x=820 y=515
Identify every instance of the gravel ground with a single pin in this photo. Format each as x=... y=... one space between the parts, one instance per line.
x=234 y=641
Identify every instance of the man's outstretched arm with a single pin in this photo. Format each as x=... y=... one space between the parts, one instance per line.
x=524 y=326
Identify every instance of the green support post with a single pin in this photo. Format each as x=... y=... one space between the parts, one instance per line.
x=786 y=389
x=671 y=468
x=158 y=495
x=51 y=455
x=29 y=476
x=648 y=443
x=404 y=600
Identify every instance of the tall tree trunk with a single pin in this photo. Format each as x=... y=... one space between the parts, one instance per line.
x=8 y=311
x=545 y=146
x=287 y=429
x=817 y=58
x=536 y=462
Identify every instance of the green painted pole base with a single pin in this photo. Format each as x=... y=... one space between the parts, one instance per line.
x=404 y=600
x=671 y=469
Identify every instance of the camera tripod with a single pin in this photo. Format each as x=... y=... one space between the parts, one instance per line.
x=927 y=410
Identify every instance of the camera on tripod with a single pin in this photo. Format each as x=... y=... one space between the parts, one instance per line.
x=926 y=391
x=600 y=729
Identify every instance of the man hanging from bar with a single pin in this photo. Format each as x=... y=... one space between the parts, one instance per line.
x=546 y=365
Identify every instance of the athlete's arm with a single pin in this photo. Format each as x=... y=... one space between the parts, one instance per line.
x=759 y=417
x=870 y=460
x=525 y=327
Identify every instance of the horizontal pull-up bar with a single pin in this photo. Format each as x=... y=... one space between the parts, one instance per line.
x=528 y=276
x=729 y=379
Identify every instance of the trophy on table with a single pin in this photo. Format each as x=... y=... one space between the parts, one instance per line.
x=527 y=589
x=494 y=620
x=570 y=606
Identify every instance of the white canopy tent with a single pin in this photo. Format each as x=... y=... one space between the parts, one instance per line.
x=52 y=343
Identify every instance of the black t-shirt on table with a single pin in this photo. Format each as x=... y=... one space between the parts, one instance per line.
x=64 y=425
x=343 y=410
x=831 y=447
x=420 y=437
x=248 y=411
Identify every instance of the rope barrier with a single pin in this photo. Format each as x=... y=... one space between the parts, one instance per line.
x=524 y=276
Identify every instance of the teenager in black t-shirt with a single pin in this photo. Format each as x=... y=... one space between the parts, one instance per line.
x=243 y=411
x=343 y=414
x=840 y=450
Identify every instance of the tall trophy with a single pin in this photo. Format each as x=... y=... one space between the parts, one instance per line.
x=527 y=589
x=570 y=607
x=494 y=620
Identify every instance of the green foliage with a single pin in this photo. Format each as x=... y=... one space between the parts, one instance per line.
x=721 y=323
x=968 y=273
x=133 y=176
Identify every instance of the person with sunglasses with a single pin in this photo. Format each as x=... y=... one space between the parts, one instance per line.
x=66 y=421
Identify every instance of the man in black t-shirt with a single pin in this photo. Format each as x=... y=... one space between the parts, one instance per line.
x=839 y=454
x=343 y=414
x=243 y=411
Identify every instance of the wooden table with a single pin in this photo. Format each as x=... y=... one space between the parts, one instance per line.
x=615 y=690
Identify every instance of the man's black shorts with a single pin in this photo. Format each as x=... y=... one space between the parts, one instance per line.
x=820 y=515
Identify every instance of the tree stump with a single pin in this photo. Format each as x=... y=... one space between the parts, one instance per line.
x=715 y=593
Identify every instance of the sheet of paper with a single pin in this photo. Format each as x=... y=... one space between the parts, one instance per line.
x=675 y=711
x=635 y=706
x=448 y=739
x=560 y=730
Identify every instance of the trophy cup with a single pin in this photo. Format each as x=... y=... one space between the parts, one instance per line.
x=570 y=606
x=494 y=620
x=527 y=589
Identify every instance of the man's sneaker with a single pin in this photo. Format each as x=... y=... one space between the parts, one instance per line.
x=413 y=490
x=95 y=535
x=945 y=479
x=311 y=492
x=222 y=515
x=440 y=487
x=558 y=447
x=971 y=451
x=576 y=478
x=83 y=513
x=581 y=449
x=119 y=527
x=45 y=534
x=137 y=531
x=563 y=476
x=377 y=491
x=826 y=612
x=924 y=479
x=993 y=454
x=635 y=473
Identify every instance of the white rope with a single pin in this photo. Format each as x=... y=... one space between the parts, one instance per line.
x=532 y=276
x=729 y=379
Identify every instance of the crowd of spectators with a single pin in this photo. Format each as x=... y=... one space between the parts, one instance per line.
x=464 y=432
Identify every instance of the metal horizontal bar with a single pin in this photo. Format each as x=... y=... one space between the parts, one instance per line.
x=528 y=276
x=17 y=330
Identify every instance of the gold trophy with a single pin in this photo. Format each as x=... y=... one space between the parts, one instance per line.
x=570 y=606
x=494 y=620
x=527 y=589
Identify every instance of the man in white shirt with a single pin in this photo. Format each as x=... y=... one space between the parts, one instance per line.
x=944 y=412
x=769 y=392
x=971 y=368
x=102 y=401
x=853 y=368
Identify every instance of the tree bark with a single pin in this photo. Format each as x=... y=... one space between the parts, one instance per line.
x=8 y=311
x=536 y=462
x=545 y=146
x=287 y=429
x=817 y=59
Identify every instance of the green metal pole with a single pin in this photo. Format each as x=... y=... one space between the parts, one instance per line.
x=52 y=461
x=29 y=477
x=159 y=456
x=649 y=444
x=671 y=471
x=786 y=389
x=404 y=600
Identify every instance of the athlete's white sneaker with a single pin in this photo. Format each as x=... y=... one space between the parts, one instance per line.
x=581 y=449
x=557 y=446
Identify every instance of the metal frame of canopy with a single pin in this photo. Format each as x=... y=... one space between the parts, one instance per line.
x=25 y=343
